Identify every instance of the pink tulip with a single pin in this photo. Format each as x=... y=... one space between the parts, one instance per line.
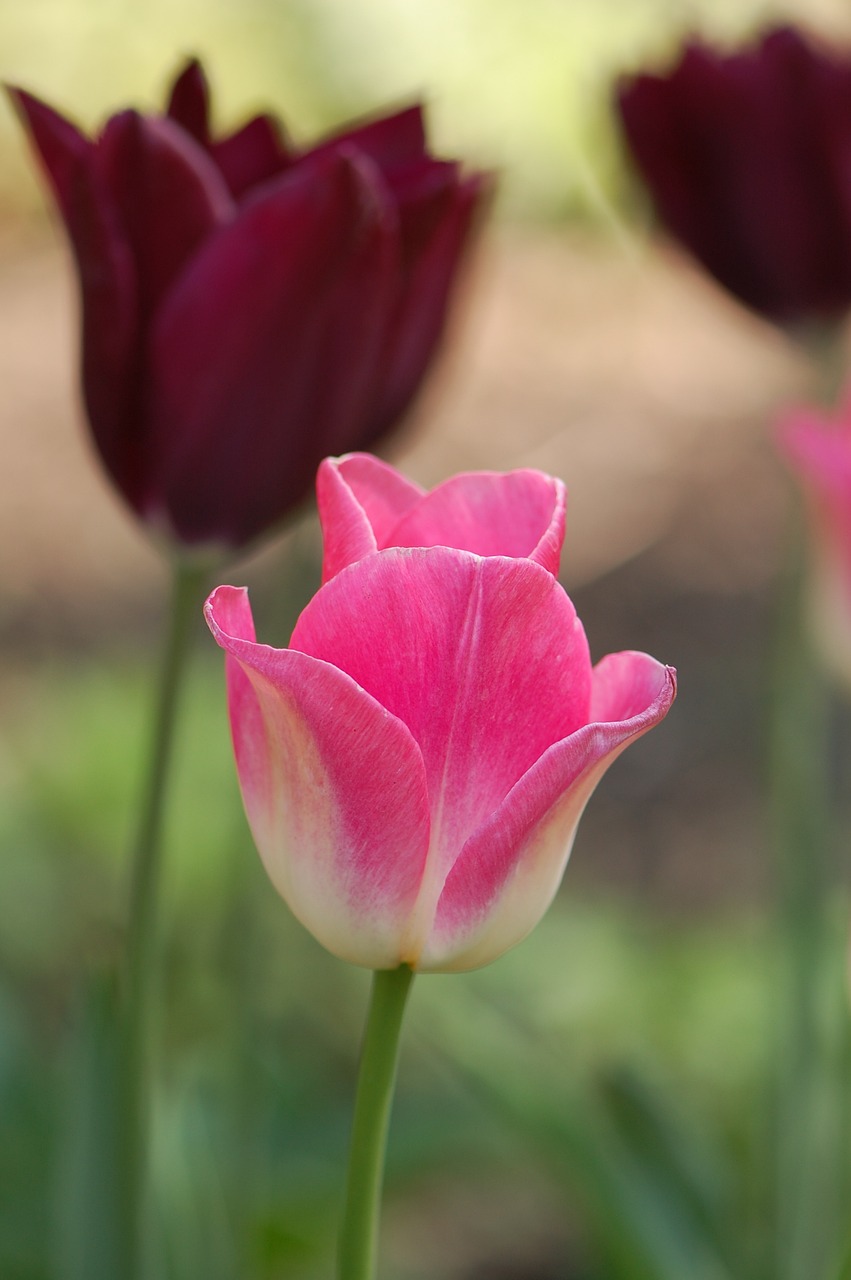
x=365 y=506
x=818 y=449
x=415 y=764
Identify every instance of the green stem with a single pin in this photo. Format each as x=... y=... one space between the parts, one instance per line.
x=142 y=934
x=377 y=1076
x=809 y=1145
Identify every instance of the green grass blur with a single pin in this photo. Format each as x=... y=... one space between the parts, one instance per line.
x=260 y=1027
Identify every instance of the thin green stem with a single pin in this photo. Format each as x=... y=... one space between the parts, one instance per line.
x=140 y=976
x=810 y=1159
x=376 y=1079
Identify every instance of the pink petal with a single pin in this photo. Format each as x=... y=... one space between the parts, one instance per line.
x=333 y=787
x=364 y=504
x=819 y=450
x=511 y=867
x=274 y=330
x=484 y=660
x=518 y=513
x=360 y=499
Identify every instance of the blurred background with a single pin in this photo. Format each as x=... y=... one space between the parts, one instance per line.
x=586 y=347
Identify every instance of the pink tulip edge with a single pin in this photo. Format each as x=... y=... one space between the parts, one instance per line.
x=396 y=836
x=366 y=505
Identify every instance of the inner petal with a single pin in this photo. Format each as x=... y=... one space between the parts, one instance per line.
x=488 y=513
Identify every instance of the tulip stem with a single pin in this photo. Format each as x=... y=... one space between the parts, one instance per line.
x=376 y=1079
x=142 y=931
x=812 y=1164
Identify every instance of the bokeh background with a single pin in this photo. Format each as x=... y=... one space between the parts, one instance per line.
x=584 y=346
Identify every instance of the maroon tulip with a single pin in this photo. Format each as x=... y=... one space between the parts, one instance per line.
x=249 y=308
x=748 y=158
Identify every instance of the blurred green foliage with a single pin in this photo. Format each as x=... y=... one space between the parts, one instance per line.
x=539 y=1070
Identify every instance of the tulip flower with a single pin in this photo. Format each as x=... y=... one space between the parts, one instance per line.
x=415 y=764
x=746 y=157
x=365 y=505
x=818 y=449
x=249 y=307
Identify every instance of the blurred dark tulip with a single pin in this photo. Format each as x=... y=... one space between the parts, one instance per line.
x=748 y=158
x=249 y=308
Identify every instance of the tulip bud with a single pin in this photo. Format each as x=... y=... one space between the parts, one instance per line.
x=415 y=764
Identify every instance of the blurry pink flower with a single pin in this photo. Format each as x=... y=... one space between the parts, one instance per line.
x=365 y=505
x=248 y=307
x=415 y=764
x=818 y=449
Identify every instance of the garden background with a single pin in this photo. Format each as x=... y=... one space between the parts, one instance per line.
x=583 y=348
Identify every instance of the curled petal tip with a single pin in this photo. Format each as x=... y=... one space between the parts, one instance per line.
x=228 y=615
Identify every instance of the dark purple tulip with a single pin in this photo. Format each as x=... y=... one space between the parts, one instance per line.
x=249 y=308
x=748 y=158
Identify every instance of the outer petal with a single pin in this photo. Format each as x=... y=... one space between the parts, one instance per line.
x=393 y=142
x=360 y=500
x=819 y=451
x=511 y=867
x=107 y=284
x=438 y=221
x=334 y=789
x=295 y=287
x=252 y=155
x=169 y=195
x=484 y=660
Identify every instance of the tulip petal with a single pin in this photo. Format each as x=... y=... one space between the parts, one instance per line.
x=189 y=102
x=746 y=157
x=107 y=284
x=390 y=141
x=366 y=505
x=169 y=194
x=510 y=869
x=437 y=220
x=485 y=662
x=360 y=500
x=334 y=790
x=272 y=335
x=252 y=155
x=517 y=513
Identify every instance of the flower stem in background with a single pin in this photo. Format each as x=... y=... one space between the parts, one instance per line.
x=812 y=1120
x=377 y=1075
x=141 y=950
